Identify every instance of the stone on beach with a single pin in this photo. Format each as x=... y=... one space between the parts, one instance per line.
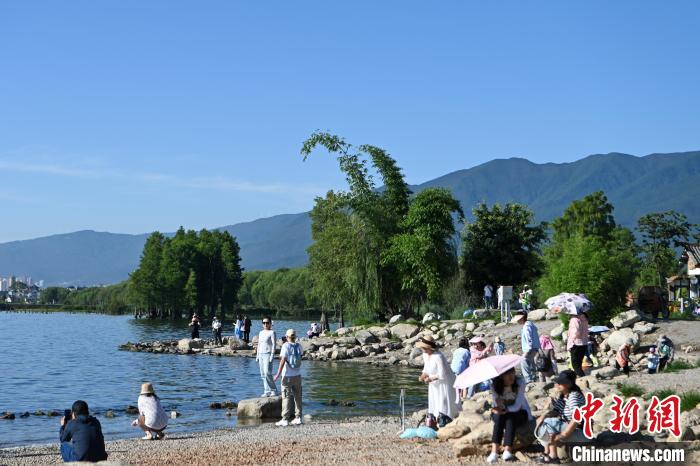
x=626 y=319
x=365 y=337
x=396 y=318
x=537 y=314
x=187 y=344
x=619 y=337
x=404 y=331
x=261 y=408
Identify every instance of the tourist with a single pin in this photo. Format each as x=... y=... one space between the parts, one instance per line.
x=152 y=417
x=526 y=298
x=488 y=296
x=81 y=436
x=530 y=343
x=499 y=347
x=238 y=327
x=561 y=428
x=547 y=351
x=577 y=342
x=622 y=358
x=442 y=404
x=315 y=330
x=509 y=411
x=265 y=354
x=195 y=324
x=666 y=351
x=216 y=330
x=247 y=323
x=290 y=370
x=591 y=350
x=478 y=351
x=652 y=361
x=460 y=360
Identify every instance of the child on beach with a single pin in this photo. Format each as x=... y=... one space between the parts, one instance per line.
x=290 y=370
x=499 y=347
x=652 y=361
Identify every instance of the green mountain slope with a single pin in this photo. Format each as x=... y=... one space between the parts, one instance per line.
x=635 y=185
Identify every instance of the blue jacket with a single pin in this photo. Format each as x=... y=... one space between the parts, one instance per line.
x=529 y=337
x=460 y=360
x=85 y=434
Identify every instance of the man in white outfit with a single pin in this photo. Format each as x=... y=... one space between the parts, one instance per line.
x=265 y=354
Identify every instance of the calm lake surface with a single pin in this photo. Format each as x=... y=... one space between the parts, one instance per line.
x=50 y=360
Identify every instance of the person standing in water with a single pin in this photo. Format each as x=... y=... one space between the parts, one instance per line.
x=265 y=354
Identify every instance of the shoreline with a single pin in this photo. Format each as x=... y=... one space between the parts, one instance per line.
x=366 y=440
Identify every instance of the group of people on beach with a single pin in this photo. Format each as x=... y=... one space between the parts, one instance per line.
x=510 y=409
x=241 y=328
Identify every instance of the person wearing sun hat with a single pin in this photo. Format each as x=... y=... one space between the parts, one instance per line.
x=152 y=417
x=479 y=351
x=440 y=379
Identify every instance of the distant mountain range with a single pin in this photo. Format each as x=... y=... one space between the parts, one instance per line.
x=635 y=186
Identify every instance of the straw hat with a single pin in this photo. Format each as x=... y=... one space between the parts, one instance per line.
x=147 y=389
x=426 y=342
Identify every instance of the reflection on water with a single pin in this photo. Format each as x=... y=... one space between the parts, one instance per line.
x=50 y=360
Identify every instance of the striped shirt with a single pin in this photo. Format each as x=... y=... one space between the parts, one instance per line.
x=565 y=407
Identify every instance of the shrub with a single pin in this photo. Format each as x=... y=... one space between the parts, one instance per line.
x=679 y=365
x=629 y=390
x=689 y=400
x=660 y=394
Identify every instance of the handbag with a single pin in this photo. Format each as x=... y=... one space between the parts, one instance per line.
x=431 y=422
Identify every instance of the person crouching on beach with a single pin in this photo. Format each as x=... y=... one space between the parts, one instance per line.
x=290 y=370
x=510 y=410
x=622 y=358
x=652 y=361
x=152 y=417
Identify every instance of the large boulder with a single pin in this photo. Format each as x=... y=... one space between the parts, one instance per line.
x=480 y=434
x=605 y=373
x=643 y=327
x=404 y=331
x=396 y=319
x=379 y=332
x=187 y=344
x=470 y=326
x=260 y=408
x=557 y=331
x=365 y=337
x=626 y=319
x=537 y=314
x=619 y=337
x=430 y=316
x=453 y=430
x=343 y=331
x=346 y=341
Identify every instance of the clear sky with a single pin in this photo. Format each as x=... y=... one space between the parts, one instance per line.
x=131 y=116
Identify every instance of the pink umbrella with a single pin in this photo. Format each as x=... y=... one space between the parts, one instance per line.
x=487 y=369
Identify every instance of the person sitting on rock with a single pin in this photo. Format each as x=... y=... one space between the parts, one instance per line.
x=81 y=436
x=509 y=411
x=152 y=417
x=666 y=351
x=557 y=426
x=622 y=358
x=652 y=361
x=478 y=351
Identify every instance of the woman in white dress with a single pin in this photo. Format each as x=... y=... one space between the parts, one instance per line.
x=440 y=379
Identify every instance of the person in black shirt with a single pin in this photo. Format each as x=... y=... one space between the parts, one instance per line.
x=81 y=436
x=195 y=323
x=246 y=328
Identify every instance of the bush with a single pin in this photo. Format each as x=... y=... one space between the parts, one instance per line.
x=660 y=394
x=430 y=307
x=365 y=322
x=679 y=365
x=629 y=390
x=689 y=400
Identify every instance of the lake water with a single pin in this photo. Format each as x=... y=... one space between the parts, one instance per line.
x=50 y=360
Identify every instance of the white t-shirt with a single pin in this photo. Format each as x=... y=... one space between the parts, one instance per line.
x=266 y=342
x=288 y=371
x=153 y=413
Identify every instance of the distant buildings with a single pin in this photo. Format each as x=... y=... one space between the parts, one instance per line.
x=19 y=289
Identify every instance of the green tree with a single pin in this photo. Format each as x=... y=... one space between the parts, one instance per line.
x=590 y=216
x=190 y=290
x=424 y=253
x=145 y=280
x=660 y=233
x=501 y=246
x=53 y=295
x=603 y=270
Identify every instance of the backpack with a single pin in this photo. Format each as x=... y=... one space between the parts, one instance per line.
x=542 y=361
x=294 y=355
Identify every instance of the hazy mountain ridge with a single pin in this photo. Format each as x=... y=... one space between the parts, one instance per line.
x=635 y=186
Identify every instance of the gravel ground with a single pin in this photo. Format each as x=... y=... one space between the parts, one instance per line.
x=366 y=441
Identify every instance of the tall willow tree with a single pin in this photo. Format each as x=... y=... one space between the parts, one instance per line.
x=368 y=247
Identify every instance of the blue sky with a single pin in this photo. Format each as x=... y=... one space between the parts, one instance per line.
x=131 y=116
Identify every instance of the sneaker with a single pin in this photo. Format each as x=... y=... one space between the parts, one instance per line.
x=508 y=456
x=265 y=395
x=296 y=421
x=492 y=458
x=282 y=423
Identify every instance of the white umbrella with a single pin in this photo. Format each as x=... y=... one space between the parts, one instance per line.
x=570 y=303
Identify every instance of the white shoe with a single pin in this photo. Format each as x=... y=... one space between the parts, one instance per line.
x=296 y=421
x=265 y=395
x=282 y=423
x=492 y=458
x=508 y=456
